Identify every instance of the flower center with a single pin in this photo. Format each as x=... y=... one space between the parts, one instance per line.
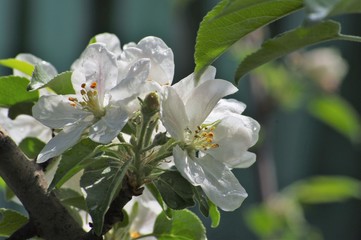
x=89 y=101
x=202 y=137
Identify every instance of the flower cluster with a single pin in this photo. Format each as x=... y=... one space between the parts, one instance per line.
x=205 y=136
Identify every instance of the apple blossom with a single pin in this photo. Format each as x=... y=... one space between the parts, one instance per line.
x=99 y=107
x=213 y=136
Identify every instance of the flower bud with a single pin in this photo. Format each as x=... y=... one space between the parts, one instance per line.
x=150 y=105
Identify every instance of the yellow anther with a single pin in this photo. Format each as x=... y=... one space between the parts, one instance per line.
x=135 y=235
x=72 y=99
x=83 y=85
x=73 y=104
x=93 y=85
x=83 y=92
x=215 y=145
x=211 y=134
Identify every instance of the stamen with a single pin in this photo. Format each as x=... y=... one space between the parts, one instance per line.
x=93 y=85
x=83 y=85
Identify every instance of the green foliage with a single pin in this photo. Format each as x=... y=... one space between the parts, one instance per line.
x=176 y=191
x=214 y=214
x=31 y=147
x=73 y=161
x=13 y=91
x=42 y=75
x=231 y=20
x=184 y=225
x=337 y=113
x=71 y=197
x=101 y=182
x=325 y=189
x=17 y=64
x=61 y=83
x=287 y=43
x=10 y=221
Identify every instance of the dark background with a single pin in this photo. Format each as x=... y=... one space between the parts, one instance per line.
x=58 y=31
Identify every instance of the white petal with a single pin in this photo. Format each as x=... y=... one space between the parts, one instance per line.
x=130 y=86
x=173 y=114
x=96 y=64
x=204 y=98
x=220 y=185
x=29 y=58
x=111 y=42
x=161 y=57
x=55 y=111
x=187 y=167
x=109 y=126
x=185 y=86
x=67 y=138
x=226 y=107
x=234 y=136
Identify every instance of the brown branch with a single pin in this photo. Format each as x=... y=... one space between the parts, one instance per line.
x=47 y=215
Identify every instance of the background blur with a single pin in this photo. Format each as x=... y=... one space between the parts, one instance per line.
x=298 y=139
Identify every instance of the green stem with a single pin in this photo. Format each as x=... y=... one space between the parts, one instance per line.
x=349 y=38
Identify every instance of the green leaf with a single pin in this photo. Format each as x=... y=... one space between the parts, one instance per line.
x=20 y=108
x=338 y=114
x=43 y=73
x=184 y=225
x=202 y=199
x=102 y=181
x=71 y=197
x=22 y=66
x=325 y=189
x=214 y=214
x=231 y=20
x=318 y=10
x=156 y=194
x=61 y=83
x=289 y=42
x=13 y=91
x=176 y=191
x=31 y=147
x=263 y=221
x=10 y=222
x=73 y=161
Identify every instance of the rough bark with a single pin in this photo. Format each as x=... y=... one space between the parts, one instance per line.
x=48 y=216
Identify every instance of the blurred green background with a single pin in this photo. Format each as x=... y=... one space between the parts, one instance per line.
x=302 y=135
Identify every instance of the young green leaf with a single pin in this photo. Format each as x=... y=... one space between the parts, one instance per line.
x=102 y=181
x=73 y=161
x=13 y=91
x=31 y=147
x=43 y=73
x=214 y=214
x=10 y=221
x=61 y=83
x=176 y=191
x=17 y=64
x=231 y=20
x=184 y=225
x=290 y=41
x=337 y=113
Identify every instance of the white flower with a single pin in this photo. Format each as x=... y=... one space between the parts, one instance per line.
x=23 y=126
x=214 y=136
x=144 y=216
x=99 y=107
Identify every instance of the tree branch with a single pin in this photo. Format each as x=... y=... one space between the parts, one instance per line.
x=47 y=215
